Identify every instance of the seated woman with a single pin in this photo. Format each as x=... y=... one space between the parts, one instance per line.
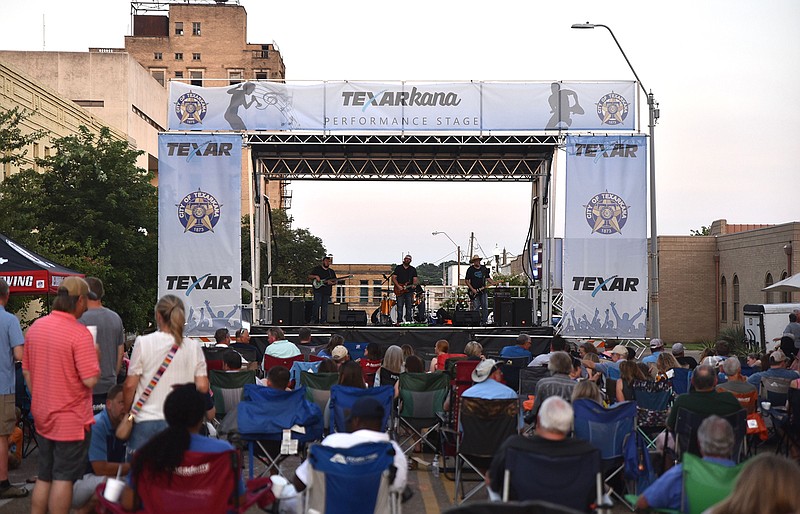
x=587 y=389
x=442 y=348
x=184 y=410
x=629 y=373
x=474 y=351
x=391 y=367
x=333 y=342
x=665 y=362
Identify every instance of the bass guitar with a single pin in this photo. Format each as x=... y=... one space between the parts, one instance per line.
x=328 y=281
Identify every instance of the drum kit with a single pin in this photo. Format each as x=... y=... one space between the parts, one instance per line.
x=386 y=314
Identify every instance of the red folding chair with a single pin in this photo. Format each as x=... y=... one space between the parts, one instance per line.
x=369 y=368
x=270 y=361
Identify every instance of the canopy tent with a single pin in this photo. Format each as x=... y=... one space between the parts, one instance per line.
x=28 y=273
x=789 y=285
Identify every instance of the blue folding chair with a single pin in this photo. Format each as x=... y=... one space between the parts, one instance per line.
x=343 y=398
x=352 y=480
x=652 y=406
x=355 y=350
x=606 y=429
x=681 y=380
x=298 y=367
x=265 y=413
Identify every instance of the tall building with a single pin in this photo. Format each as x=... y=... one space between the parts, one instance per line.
x=200 y=41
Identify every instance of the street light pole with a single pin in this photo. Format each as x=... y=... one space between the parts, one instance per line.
x=655 y=325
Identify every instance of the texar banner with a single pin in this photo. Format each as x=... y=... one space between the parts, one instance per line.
x=605 y=240
x=406 y=106
x=199 y=227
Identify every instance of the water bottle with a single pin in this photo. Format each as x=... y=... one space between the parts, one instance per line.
x=435 y=465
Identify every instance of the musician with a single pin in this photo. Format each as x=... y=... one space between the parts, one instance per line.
x=405 y=281
x=322 y=292
x=477 y=278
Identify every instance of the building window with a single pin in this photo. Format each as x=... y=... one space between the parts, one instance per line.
x=262 y=75
x=196 y=56
x=158 y=75
x=35 y=156
x=158 y=56
x=178 y=56
x=735 y=299
x=363 y=294
x=723 y=296
x=265 y=51
x=768 y=294
x=235 y=76
x=178 y=74
x=195 y=28
x=376 y=290
x=785 y=295
x=196 y=78
x=178 y=28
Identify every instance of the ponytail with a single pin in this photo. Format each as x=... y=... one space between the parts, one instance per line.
x=171 y=311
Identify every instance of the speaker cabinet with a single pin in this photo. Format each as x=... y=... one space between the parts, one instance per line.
x=353 y=318
x=298 y=312
x=334 y=309
x=523 y=315
x=467 y=319
x=281 y=311
x=503 y=313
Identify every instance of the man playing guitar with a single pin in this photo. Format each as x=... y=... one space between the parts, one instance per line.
x=477 y=278
x=405 y=281
x=322 y=294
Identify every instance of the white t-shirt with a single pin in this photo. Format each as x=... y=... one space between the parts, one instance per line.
x=148 y=355
x=345 y=440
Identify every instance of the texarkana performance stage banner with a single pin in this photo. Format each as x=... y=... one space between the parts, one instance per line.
x=406 y=106
x=199 y=227
x=605 y=240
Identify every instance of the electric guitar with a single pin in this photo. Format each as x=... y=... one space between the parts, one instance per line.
x=476 y=293
x=402 y=289
x=322 y=282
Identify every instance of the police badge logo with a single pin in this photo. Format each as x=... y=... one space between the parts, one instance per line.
x=191 y=108
x=198 y=212
x=606 y=213
x=612 y=109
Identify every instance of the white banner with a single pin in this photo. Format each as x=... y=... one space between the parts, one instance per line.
x=405 y=106
x=199 y=227
x=605 y=240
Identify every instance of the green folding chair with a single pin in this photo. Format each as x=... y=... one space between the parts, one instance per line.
x=228 y=388
x=318 y=388
x=422 y=398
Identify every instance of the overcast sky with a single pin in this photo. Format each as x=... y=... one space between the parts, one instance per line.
x=725 y=73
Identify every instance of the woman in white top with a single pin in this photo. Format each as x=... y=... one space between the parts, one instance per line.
x=149 y=351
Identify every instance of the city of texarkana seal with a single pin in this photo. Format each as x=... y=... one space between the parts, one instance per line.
x=612 y=109
x=191 y=108
x=198 y=212
x=606 y=213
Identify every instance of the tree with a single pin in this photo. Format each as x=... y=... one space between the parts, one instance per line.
x=12 y=140
x=704 y=231
x=91 y=209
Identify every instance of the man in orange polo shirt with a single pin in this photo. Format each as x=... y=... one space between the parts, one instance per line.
x=60 y=366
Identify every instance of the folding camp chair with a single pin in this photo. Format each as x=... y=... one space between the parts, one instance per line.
x=687 y=422
x=266 y=416
x=22 y=400
x=343 y=398
x=571 y=481
x=228 y=388
x=706 y=483
x=209 y=483
x=775 y=390
x=681 y=380
x=787 y=426
x=422 y=398
x=356 y=350
x=369 y=368
x=607 y=429
x=318 y=387
x=297 y=368
x=512 y=369
x=213 y=356
x=485 y=424
x=248 y=352
x=270 y=361
x=461 y=381
x=652 y=407
x=352 y=480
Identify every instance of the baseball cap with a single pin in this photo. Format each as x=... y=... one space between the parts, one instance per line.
x=339 y=353
x=656 y=343
x=620 y=350
x=777 y=356
x=75 y=286
x=678 y=348
x=367 y=408
x=483 y=370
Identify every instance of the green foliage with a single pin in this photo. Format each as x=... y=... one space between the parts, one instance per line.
x=736 y=338
x=92 y=210
x=12 y=140
x=704 y=231
x=431 y=274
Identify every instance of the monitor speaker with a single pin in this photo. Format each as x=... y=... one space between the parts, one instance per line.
x=467 y=318
x=334 y=309
x=281 y=310
x=353 y=318
x=523 y=316
x=503 y=313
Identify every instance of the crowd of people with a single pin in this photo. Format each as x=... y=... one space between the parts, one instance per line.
x=90 y=427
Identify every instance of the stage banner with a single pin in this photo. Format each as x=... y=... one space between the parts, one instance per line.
x=199 y=227
x=605 y=238
x=405 y=106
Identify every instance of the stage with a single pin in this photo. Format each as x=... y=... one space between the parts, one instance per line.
x=422 y=338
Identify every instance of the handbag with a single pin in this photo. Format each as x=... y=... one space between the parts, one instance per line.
x=124 y=429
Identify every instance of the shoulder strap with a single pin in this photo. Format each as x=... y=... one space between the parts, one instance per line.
x=153 y=381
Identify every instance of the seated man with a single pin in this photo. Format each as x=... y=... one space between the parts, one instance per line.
x=703 y=399
x=558 y=384
x=686 y=361
x=279 y=346
x=716 y=439
x=222 y=338
x=521 y=349
x=656 y=347
x=231 y=361
x=609 y=369
x=736 y=383
x=553 y=425
x=364 y=425
x=777 y=369
x=277 y=378
x=106 y=452
x=557 y=344
x=487 y=377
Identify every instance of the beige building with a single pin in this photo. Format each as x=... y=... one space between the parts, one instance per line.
x=52 y=112
x=197 y=41
x=110 y=85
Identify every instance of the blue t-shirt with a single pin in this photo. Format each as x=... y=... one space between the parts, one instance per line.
x=651 y=358
x=10 y=337
x=104 y=445
x=666 y=492
x=490 y=389
x=513 y=351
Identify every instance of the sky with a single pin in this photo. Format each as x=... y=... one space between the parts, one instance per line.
x=725 y=74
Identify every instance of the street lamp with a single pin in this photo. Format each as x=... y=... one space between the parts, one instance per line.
x=655 y=328
x=458 y=255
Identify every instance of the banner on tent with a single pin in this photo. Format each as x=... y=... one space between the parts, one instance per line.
x=605 y=238
x=408 y=106
x=199 y=227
